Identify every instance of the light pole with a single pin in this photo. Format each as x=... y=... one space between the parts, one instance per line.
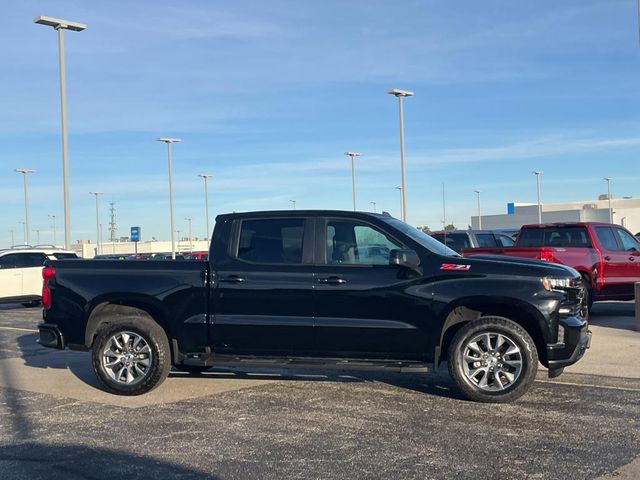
x=53 y=218
x=97 y=194
x=537 y=174
x=60 y=26
x=178 y=232
x=374 y=206
x=12 y=232
x=25 y=172
x=401 y=202
x=293 y=202
x=400 y=94
x=37 y=235
x=189 y=219
x=24 y=232
x=608 y=180
x=353 y=155
x=170 y=141
x=205 y=177
x=477 y=192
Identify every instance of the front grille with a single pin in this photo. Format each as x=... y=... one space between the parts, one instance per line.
x=575 y=301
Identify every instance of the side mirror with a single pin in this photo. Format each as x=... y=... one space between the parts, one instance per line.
x=404 y=258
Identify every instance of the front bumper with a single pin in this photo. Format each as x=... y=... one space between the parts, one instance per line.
x=50 y=336
x=577 y=339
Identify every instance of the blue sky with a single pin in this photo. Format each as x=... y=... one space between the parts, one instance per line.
x=268 y=95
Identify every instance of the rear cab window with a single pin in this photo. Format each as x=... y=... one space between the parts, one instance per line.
x=486 y=240
x=569 y=236
x=271 y=240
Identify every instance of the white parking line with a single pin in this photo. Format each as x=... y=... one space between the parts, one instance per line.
x=19 y=329
x=605 y=387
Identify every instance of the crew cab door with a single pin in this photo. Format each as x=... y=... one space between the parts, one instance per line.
x=615 y=260
x=10 y=276
x=360 y=306
x=631 y=247
x=31 y=264
x=263 y=287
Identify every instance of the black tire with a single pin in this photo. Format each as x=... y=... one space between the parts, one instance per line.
x=469 y=385
x=588 y=292
x=194 y=369
x=159 y=361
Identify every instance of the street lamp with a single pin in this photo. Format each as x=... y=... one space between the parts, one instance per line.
x=353 y=155
x=53 y=218
x=400 y=94
x=37 y=236
x=170 y=141
x=477 y=192
x=189 y=219
x=205 y=177
x=60 y=26
x=608 y=180
x=25 y=172
x=401 y=202
x=97 y=194
x=293 y=202
x=374 y=206
x=24 y=231
x=537 y=174
x=13 y=239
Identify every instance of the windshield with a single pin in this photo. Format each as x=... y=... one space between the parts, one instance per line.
x=427 y=241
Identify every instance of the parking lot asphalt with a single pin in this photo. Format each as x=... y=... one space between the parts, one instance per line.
x=55 y=422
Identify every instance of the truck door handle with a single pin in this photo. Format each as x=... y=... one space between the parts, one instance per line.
x=332 y=280
x=233 y=279
x=607 y=258
x=632 y=259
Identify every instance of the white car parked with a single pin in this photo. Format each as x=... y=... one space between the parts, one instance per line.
x=21 y=272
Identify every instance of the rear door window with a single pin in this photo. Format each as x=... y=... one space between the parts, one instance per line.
x=607 y=238
x=504 y=240
x=9 y=261
x=352 y=243
x=455 y=241
x=29 y=260
x=271 y=240
x=486 y=240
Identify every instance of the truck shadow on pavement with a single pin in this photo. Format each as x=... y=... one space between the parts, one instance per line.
x=35 y=460
x=79 y=364
x=619 y=315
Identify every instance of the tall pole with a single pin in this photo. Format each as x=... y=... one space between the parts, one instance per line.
x=169 y=141
x=97 y=194
x=25 y=172
x=206 y=177
x=293 y=202
x=400 y=94
x=24 y=233
x=60 y=25
x=477 y=192
x=353 y=155
x=608 y=180
x=537 y=174
x=401 y=205
x=53 y=219
x=37 y=230
x=444 y=210
x=374 y=207
x=188 y=219
x=12 y=237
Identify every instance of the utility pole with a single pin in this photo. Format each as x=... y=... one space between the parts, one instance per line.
x=400 y=94
x=25 y=172
x=188 y=219
x=97 y=194
x=353 y=155
x=477 y=192
x=374 y=206
x=537 y=174
x=608 y=180
x=53 y=219
x=113 y=227
x=13 y=240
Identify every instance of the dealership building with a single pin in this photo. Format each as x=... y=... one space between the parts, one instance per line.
x=626 y=212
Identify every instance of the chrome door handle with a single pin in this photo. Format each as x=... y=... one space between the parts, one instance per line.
x=233 y=279
x=332 y=280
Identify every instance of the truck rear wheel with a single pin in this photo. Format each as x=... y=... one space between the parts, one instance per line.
x=131 y=357
x=493 y=360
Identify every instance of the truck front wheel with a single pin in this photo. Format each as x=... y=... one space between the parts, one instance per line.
x=131 y=358
x=493 y=359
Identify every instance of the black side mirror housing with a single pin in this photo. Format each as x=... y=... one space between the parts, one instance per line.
x=404 y=258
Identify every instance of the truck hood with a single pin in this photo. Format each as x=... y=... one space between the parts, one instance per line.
x=499 y=264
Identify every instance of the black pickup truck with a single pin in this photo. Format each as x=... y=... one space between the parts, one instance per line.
x=347 y=290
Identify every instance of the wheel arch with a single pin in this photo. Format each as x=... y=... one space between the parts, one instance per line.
x=470 y=309
x=108 y=310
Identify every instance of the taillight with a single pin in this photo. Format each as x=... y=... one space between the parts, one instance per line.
x=546 y=255
x=48 y=272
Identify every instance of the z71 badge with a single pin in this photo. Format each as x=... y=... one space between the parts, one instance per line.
x=454 y=266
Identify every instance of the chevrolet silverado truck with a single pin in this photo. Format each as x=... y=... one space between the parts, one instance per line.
x=327 y=289
x=606 y=255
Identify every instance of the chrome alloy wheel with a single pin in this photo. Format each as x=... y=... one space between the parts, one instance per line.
x=491 y=361
x=126 y=358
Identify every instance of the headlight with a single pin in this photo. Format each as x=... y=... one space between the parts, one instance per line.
x=550 y=283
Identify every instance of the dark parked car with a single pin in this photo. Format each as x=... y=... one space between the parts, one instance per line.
x=347 y=290
x=459 y=239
